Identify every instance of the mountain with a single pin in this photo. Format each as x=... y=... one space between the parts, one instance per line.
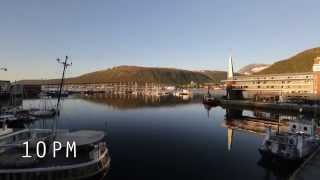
x=253 y=68
x=215 y=76
x=170 y=76
x=301 y=62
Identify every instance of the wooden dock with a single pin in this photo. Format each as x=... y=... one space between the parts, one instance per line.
x=310 y=169
x=305 y=108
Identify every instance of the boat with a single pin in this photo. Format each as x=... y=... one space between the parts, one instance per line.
x=55 y=94
x=296 y=144
x=183 y=92
x=45 y=110
x=43 y=113
x=92 y=158
x=16 y=117
x=210 y=100
x=20 y=158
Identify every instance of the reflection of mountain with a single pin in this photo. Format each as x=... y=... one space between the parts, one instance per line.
x=134 y=101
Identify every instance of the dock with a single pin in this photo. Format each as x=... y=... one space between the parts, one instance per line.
x=303 y=108
x=310 y=169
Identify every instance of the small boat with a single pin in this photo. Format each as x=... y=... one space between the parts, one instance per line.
x=210 y=100
x=46 y=110
x=296 y=144
x=8 y=118
x=55 y=94
x=183 y=92
x=43 y=113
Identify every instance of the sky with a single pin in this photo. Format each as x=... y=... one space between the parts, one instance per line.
x=187 y=34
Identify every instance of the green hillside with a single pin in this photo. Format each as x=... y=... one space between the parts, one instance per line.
x=301 y=62
x=215 y=76
x=141 y=75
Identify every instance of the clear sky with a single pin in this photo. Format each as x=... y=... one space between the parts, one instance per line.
x=189 y=34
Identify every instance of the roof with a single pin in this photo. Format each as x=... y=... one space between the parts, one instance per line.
x=83 y=137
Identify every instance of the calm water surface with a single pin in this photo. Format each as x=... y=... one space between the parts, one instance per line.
x=170 y=139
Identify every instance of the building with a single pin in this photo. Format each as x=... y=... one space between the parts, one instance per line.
x=4 y=89
x=289 y=84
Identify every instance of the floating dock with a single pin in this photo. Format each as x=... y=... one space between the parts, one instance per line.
x=310 y=169
x=303 y=108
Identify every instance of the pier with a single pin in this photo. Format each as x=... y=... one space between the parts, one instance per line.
x=309 y=170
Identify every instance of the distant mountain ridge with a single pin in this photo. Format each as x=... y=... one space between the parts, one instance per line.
x=170 y=76
x=301 y=62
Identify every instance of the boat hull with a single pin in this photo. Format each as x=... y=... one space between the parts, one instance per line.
x=90 y=170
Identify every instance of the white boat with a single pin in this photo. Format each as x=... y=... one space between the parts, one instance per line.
x=183 y=92
x=43 y=112
x=46 y=110
x=296 y=144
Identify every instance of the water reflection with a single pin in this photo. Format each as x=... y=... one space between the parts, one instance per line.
x=172 y=138
x=130 y=101
x=257 y=122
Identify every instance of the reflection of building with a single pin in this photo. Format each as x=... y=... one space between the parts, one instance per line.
x=298 y=84
x=235 y=121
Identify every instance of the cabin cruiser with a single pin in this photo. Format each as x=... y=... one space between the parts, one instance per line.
x=92 y=159
x=296 y=144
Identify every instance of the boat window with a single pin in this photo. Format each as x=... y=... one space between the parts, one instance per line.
x=294 y=126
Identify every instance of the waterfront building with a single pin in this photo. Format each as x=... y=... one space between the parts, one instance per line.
x=287 y=84
x=4 y=88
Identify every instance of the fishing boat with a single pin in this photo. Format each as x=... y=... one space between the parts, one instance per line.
x=92 y=159
x=210 y=100
x=20 y=159
x=297 y=143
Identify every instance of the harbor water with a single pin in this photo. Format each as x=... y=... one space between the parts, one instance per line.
x=168 y=138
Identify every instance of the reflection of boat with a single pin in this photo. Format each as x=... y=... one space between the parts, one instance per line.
x=91 y=159
x=296 y=144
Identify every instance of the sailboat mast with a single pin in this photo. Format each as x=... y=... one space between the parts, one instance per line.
x=65 y=65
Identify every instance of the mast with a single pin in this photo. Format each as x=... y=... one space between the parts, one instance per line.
x=65 y=65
